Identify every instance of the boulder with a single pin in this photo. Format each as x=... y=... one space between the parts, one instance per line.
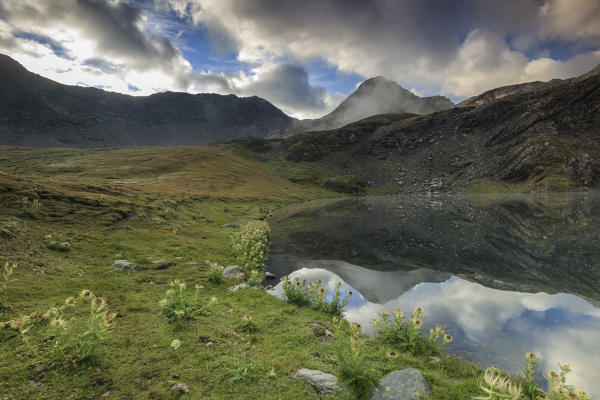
x=238 y=287
x=122 y=263
x=231 y=271
x=406 y=384
x=324 y=383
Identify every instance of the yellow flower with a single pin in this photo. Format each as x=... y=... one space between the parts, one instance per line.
x=176 y=343
x=398 y=314
x=392 y=354
x=272 y=374
x=199 y=286
x=69 y=301
x=214 y=300
x=350 y=293
x=86 y=294
x=98 y=303
x=530 y=357
x=179 y=313
x=448 y=338
x=58 y=322
x=163 y=302
x=383 y=313
x=247 y=318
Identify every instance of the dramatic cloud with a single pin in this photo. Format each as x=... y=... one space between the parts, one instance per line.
x=417 y=43
x=454 y=48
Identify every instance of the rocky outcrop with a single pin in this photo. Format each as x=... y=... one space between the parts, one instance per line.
x=545 y=136
x=35 y=111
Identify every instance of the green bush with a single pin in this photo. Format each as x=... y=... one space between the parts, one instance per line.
x=354 y=370
x=314 y=295
x=497 y=385
x=215 y=274
x=30 y=208
x=251 y=244
x=5 y=279
x=73 y=333
x=176 y=305
x=406 y=335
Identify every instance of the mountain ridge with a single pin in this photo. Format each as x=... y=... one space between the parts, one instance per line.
x=40 y=112
x=373 y=96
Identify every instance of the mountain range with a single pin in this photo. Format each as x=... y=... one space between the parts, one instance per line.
x=40 y=112
x=35 y=111
x=542 y=135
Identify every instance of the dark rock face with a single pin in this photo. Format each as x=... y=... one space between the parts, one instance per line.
x=35 y=111
x=545 y=135
x=373 y=96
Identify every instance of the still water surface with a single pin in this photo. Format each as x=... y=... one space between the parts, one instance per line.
x=504 y=274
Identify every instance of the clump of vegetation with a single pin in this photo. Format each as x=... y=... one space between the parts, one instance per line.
x=406 y=335
x=314 y=295
x=176 y=306
x=247 y=325
x=30 y=209
x=355 y=371
x=5 y=279
x=499 y=386
x=251 y=244
x=215 y=274
x=75 y=332
x=56 y=245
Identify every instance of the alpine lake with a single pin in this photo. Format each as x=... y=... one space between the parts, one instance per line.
x=504 y=274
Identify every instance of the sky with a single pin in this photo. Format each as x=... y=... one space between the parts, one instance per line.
x=303 y=56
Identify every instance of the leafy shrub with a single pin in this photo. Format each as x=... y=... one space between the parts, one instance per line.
x=56 y=245
x=176 y=305
x=30 y=208
x=406 y=335
x=73 y=333
x=314 y=295
x=5 y=279
x=355 y=371
x=215 y=274
x=496 y=385
x=251 y=244
x=247 y=325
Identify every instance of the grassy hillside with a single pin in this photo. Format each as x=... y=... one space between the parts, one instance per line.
x=166 y=210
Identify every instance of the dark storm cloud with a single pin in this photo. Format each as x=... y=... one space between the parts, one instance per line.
x=116 y=28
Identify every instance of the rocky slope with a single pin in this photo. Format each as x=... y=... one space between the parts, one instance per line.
x=545 y=136
x=35 y=111
x=373 y=96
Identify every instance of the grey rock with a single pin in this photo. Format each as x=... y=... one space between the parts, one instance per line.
x=106 y=395
x=269 y=275
x=180 y=388
x=162 y=260
x=36 y=383
x=230 y=271
x=323 y=382
x=41 y=368
x=406 y=384
x=320 y=331
x=122 y=263
x=230 y=226
x=193 y=262
x=238 y=287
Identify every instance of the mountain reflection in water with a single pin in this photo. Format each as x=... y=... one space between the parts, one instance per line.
x=478 y=265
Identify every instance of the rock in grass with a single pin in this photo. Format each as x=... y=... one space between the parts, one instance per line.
x=323 y=382
x=269 y=275
x=231 y=271
x=406 y=384
x=180 y=387
x=238 y=287
x=122 y=263
x=320 y=331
